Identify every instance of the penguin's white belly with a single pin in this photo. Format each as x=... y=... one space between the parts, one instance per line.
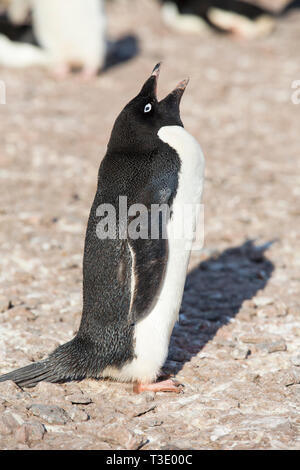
x=152 y=334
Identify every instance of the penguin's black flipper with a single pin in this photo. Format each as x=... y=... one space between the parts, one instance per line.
x=150 y=256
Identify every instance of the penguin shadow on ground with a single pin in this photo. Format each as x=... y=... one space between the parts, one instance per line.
x=121 y=50
x=214 y=293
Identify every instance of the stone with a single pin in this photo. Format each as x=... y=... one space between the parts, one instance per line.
x=294 y=310
x=9 y=389
x=9 y=421
x=30 y=432
x=142 y=410
x=51 y=413
x=295 y=360
x=79 y=399
x=262 y=301
x=277 y=346
x=240 y=352
x=118 y=434
x=4 y=303
x=289 y=377
x=77 y=415
x=252 y=339
x=274 y=346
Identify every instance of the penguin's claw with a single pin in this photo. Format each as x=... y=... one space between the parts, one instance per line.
x=169 y=385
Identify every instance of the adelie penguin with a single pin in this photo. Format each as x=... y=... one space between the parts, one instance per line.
x=133 y=286
x=239 y=17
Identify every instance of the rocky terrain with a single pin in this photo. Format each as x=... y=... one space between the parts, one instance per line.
x=236 y=348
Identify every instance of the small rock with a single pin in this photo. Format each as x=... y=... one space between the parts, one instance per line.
x=252 y=339
x=78 y=415
x=294 y=310
x=118 y=434
x=30 y=432
x=154 y=422
x=241 y=352
x=9 y=388
x=47 y=389
x=142 y=410
x=277 y=346
x=9 y=422
x=218 y=432
x=288 y=377
x=282 y=309
x=267 y=312
x=295 y=424
x=98 y=445
x=21 y=311
x=4 y=429
x=149 y=396
x=255 y=378
x=262 y=301
x=79 y=399
x=274 y=346
x=246 y=314
x=4 y=303
x=51 y=413
x=296 y=360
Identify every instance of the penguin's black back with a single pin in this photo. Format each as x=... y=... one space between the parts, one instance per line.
x=201 y=7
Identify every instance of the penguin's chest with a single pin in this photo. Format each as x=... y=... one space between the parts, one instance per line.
x=182 y=225
x=152 y=334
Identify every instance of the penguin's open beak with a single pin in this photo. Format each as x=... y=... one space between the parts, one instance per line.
x=155 y=74
x=172 y=100
x=177 y=92
x=156 y=70
x=176 y=95
x=150 y=88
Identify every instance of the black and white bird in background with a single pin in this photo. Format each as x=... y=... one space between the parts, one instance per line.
x=68 y=34
x=244 y=19
x=50 y=33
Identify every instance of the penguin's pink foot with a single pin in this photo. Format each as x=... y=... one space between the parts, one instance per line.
x=163 y=386
x=61 y=71
x=88 y=73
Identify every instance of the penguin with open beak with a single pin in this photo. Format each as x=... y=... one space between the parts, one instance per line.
x=136 y=251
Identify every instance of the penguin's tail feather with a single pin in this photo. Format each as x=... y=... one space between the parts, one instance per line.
x=67 y=362
x=30 y=375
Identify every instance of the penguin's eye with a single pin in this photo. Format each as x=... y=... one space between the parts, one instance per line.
x=147 y=108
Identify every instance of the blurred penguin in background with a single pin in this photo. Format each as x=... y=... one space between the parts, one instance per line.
x=71 y=34
x=240 y=18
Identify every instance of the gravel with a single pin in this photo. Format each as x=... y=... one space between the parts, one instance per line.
x=236 y=346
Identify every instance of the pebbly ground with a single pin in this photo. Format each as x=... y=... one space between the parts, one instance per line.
x=236 y=348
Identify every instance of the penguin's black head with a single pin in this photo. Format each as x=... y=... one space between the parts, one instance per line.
x=135 y=130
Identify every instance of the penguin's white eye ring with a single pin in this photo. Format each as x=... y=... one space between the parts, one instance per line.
x=147 y=108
